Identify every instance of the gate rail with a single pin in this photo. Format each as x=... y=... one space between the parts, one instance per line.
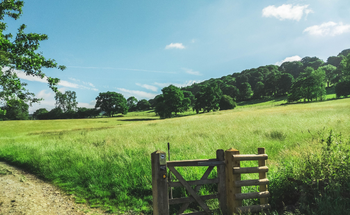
x=228 y=179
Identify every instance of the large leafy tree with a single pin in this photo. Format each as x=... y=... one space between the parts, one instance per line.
x=16 y=110
x=111 y=103
x=208 y=98
x=143 y=104
x=132 y=103
x=171 y=101
x=343 y=87
x=67 y=101
x=226 y=103
x=308 y=86
x=330 y=72
x=20 y=54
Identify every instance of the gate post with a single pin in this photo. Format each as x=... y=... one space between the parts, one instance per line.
x=231 y=178
x=220 y=156
x=262 y=175
x=159 y=183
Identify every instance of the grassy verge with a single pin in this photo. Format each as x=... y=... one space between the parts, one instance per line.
x=106 y=161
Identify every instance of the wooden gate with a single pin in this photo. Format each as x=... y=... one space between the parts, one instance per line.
x=228 y=180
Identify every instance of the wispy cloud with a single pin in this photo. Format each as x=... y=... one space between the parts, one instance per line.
x=289 y=59
x=87 y=105
x=148 y=87
x=122 y=69
x=48 y=102
x=328 y=29
x=63 y=83
x=175 y=46
x=185 y=84
x=191 y=72
x=286 y=11
x=138 y=94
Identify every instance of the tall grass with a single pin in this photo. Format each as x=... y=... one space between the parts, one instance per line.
x=106 y=161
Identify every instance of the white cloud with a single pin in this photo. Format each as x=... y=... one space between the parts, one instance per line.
x=286 y=11
x=289 y=59
x=175 y=46
x=191 y=72
x=148 y=87
x=48 y=102
x=63 y=83
x=87 y=105
x=138 y=94
x=328 y=28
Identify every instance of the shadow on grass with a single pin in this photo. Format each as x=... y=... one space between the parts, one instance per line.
x=142 y=119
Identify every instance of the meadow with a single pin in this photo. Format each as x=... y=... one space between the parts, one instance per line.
x=106 y=161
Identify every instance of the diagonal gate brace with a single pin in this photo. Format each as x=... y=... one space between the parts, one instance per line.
x=189 y=188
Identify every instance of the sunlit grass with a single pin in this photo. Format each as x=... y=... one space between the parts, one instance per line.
x=107 y=160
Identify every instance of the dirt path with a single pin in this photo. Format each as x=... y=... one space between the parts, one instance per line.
x=23 y=193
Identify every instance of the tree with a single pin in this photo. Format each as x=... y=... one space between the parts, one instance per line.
x=16 y=110
x=330 y=72
x=171 y=101
x=285 y=83
x=190 y=96
x=132 y=103
x=55 y=113
x=308 y=86
x=66 y=101
x=343 y=87
x=40 y=113
x=20 y=54
x=294 y=68
x=227 y=103
x=208 y=98
x=313 y=62
x=111 y=103
x=143 y=104
x=335 y=60
x=245 y=91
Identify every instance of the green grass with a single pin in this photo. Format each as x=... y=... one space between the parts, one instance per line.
x=106 y=161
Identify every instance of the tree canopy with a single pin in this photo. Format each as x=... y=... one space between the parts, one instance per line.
x=111 y=103
x=20 y=54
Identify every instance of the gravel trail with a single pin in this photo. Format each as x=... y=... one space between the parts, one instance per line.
x=23 y=193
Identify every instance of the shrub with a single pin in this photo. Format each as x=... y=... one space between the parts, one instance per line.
x=317 y=181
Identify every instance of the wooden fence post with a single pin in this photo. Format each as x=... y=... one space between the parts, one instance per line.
x=159 y=183
x=262 y=175
x=231 y=189
x=220 y=156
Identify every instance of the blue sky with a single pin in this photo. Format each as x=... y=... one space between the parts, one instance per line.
x=138 y=47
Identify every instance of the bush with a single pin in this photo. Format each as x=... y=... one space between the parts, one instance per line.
x=316 y=182
x=227 y=103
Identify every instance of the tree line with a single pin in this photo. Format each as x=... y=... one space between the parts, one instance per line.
x=304 y=80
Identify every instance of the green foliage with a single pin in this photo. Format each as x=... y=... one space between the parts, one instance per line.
x=227 y=103
x=111 y=103
x=208 y=98
x=313 y=62
x=342 y=88
x=106 y=161
x=16 y=110
x=131 y=102
x=317 y=180
x=330 y=72
x=20 y=54
x=143 y=105
x=308 y=86
x=40 y=113
x=171 y=101
x=67 y=101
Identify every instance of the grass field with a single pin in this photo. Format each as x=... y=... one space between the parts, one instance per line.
x=106 y=161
